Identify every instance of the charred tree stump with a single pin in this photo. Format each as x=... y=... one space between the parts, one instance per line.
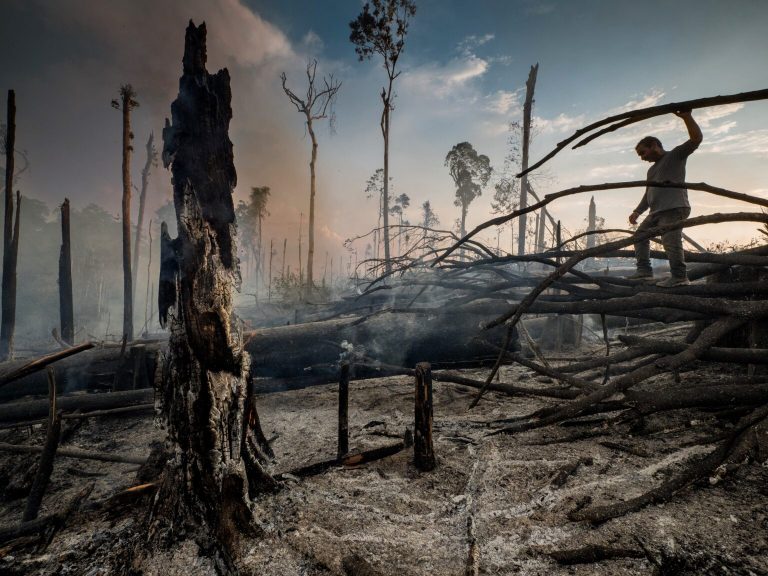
x=424 y=455
x=215 y=469
x=66 y=308
x=343 y=410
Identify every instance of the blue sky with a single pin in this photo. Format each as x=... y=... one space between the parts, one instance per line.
x=464 y=70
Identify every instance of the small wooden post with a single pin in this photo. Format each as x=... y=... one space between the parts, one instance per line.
x=343 y=410
x=66 y=308
x=45 y=466
x=424 y=455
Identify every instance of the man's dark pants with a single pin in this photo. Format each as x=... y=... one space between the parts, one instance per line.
x=672 y=241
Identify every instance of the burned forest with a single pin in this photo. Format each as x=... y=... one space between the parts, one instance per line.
x=208 y=387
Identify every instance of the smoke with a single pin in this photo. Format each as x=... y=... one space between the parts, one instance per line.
x=79 y=53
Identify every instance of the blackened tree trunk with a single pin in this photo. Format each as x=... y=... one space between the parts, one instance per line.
x=151 y=161
x=10 y=239
x=530 y=85
x=66 y=308
x=204 y=394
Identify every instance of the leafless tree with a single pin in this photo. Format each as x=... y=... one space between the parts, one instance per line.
x=127 y=103
x=315 y=106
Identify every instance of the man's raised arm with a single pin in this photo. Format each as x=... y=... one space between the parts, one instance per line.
x=694 y=132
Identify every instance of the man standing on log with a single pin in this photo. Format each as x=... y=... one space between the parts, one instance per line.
x=667 y=205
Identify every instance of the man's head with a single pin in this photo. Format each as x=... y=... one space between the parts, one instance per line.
x=649 y=149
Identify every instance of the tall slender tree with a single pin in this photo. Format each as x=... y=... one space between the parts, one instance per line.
x=148 y=164
x=381 y=29
x=315 y=106
x=127 y=103
x=470 y=172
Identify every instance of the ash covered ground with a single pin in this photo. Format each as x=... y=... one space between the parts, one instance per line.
x=492 y=506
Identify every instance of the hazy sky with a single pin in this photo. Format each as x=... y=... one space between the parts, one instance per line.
x=464 y=71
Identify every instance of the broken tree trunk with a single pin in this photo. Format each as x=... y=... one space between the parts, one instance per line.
x=66 y=307
x=215 y=470
x=10 y=239
x=151 y=161
x=527 y=110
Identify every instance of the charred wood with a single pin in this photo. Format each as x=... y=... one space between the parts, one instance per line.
x=699 y=468
x=74 y=453
x=10 y=532
x=423 y=451
x=45 y=464
x=593 y=553
x=17 y=372
x=353 y=459
x=66 y=305
x=30 y=410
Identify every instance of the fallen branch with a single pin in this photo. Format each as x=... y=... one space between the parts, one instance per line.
x=349 y=460
x=45 y=464
x=13 y=531
x=137 y=409
x=706 y=339
x=42 y=362
x=593 y=553
x=698 y=469
x=646 y=113
x=74 y=453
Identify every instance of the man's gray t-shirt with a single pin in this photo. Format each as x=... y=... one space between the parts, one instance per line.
x=668 y=168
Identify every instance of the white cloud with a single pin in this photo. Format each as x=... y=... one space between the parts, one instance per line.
x=469 y=43
x=504 y=102
x=751 y=142
x=441 y=80
x=560 y=123
x=639 y=101
x=722 y=129
x=706 y=116
x=616 y=172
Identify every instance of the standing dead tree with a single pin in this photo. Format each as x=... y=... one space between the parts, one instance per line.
x=66 y=306
x=127 y=103
x=10 y=238
x=530 y=86
x=381 y=29
x=205 y=397
x=148 y=164
x=314 y=106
